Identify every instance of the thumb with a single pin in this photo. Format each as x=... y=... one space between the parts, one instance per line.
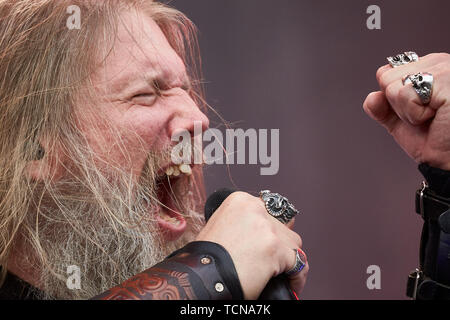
x=378 y=108
x=409 y=137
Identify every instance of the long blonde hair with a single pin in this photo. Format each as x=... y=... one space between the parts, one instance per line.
x=43 y=67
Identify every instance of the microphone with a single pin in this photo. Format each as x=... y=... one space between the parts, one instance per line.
x=277 y=288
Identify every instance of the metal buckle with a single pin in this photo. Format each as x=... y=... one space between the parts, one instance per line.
x=417 y=274
x=424 y=187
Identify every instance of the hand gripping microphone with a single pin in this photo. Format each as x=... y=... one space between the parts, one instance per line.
x=277 y=288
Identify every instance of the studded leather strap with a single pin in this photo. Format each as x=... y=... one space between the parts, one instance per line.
x=201 y=270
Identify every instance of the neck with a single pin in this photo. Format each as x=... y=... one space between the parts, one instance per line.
x=19 y=265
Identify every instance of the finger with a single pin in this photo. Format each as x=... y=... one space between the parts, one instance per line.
x=378 y=108
x=291 y=268
x=298 y=280
x=288 y=237
x=297 y=284
x=407 y=104
x=389 y=74
x=381 y=70
x=406 y=135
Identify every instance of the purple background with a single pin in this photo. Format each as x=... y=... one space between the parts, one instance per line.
x=306 y=67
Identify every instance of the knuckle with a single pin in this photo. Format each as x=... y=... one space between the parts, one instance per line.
x=391 y=92
x=383 y=81
x=243 y=199
x=403 y=94
x=379 y=73
x=236 y=203
x=441 y=69
x=439 y=56
x=238 y=196
x=381 y=70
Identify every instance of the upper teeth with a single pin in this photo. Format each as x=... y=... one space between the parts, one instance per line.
x=176 y=170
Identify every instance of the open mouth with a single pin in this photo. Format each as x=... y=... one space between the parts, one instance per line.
x=170 y=220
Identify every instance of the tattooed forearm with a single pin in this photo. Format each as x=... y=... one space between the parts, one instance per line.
x=152 y=284
x=186 y=274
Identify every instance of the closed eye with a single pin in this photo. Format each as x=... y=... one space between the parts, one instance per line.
x=144 y=99
x=186 y=87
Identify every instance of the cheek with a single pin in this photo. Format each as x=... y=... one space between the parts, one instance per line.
x=128 y=137
x=147 y=128
x=143 y=131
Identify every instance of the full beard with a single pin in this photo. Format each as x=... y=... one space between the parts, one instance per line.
x=107 y=230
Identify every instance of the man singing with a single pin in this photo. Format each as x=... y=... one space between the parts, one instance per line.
x=87 y=178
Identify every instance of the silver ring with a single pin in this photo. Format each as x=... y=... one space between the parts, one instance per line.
x=278 y=206
x=422 y=84
x=403 y=58
x=300 y=262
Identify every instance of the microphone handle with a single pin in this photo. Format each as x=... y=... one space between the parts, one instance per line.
x=278 y=289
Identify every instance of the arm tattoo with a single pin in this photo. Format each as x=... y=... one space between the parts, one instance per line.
x=183 y=275
x=152 y=284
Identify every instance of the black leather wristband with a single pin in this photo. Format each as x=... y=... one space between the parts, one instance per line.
x=433 y=204
x=438 y=180
x=201 y=270
x=213 y=267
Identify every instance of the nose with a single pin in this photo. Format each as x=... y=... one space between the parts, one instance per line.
x=187 y=116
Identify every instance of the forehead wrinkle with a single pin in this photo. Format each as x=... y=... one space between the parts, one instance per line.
x=150 y=57
x=163 y=62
